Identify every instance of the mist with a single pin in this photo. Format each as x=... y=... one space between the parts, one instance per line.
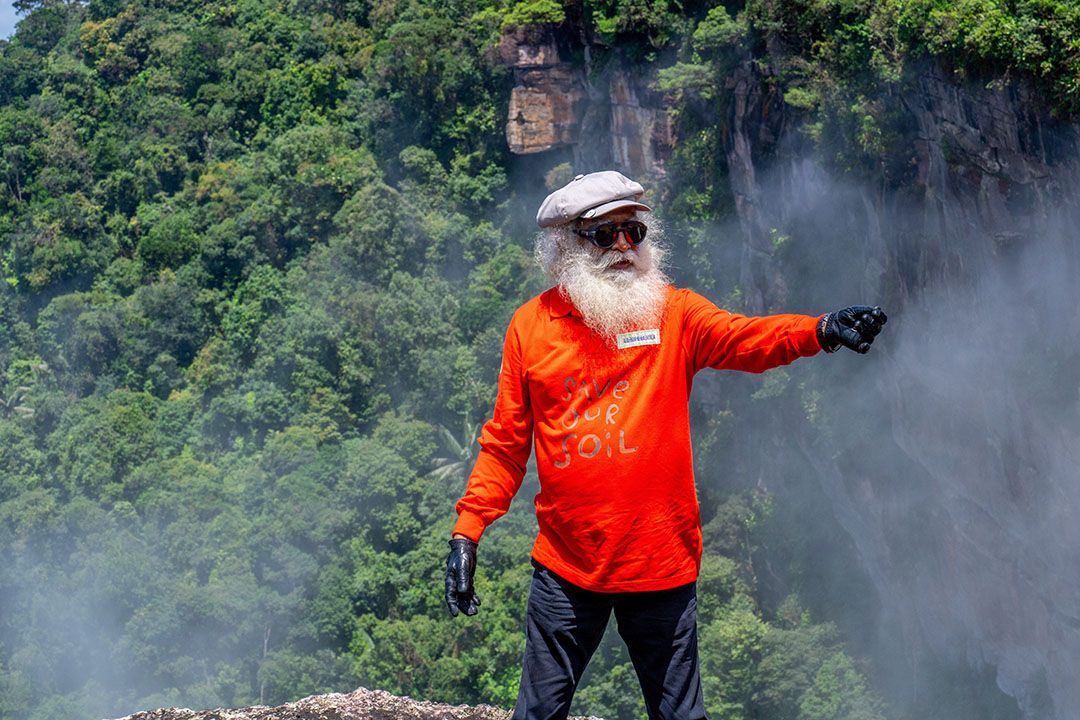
x=937 y=476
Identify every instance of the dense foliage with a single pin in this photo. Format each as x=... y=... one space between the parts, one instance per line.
x=257 y=259
x=845 y=64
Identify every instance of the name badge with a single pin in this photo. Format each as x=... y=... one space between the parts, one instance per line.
x=638 y=338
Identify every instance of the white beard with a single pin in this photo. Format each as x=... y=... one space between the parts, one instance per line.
x=615 y=292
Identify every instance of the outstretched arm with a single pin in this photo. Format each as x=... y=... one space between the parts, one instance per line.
x=724 y=340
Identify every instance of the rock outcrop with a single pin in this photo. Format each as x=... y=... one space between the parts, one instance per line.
x=964 y=511
x=611 y=120
x=641 y=133
x=543 y=110
x=361 y=704
x=755 y=122
x=546 y=103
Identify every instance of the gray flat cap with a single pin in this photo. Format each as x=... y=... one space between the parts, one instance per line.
x=589 y=196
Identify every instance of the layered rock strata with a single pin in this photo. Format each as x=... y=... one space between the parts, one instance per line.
x=548 y=95
x=611 y=120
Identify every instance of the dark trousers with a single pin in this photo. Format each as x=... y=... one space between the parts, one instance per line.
x=565 y=624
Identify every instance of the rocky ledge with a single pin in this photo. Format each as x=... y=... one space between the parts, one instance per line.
x=361 y=704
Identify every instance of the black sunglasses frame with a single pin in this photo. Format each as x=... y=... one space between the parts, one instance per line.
x=603 y=235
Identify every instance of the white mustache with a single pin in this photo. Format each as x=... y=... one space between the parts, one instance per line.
x=613 y=257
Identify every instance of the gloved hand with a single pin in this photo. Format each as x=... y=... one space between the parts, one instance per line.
x=460 y=567
x=854 y=327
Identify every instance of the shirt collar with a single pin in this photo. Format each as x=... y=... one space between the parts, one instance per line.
x=558 y=306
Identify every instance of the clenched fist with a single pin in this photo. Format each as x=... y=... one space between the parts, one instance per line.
x=854 y=327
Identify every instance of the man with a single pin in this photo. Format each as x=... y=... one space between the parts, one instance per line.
x=598 y=370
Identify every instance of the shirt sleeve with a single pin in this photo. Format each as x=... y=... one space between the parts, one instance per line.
x=505 y=445
x=723 y=340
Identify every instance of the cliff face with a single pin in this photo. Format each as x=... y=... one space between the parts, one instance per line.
x=964 y=517
x=963 y=508
x=612 y=119
x=548 y=96
x=982 y=248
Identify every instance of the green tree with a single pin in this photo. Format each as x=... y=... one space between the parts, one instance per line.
x=838 y=692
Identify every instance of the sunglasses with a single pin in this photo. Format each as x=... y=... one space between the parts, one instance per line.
x=604 y=235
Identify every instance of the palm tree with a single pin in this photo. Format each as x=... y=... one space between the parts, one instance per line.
x=461 y=454
x=15 y=402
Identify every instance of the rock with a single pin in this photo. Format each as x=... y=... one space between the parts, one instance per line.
x=641 y=131
x=361 y=704
x=754 y=122
x=530 y=46
x=967 y=529
x=988 y=158
x=545 y=104
x=611 y=121
x=544 y=110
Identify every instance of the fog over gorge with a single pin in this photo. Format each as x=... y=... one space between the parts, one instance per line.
x=953 y=466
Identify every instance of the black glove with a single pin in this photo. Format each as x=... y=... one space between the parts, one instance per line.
x=854 y=327
x=460 y=567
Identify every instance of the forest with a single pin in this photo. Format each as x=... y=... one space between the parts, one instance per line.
x=258 y=257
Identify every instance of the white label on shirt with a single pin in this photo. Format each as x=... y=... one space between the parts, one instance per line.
x=638 y=338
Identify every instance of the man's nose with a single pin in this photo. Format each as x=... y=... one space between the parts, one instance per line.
x=622 y=241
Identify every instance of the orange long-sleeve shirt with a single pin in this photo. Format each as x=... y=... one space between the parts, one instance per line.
x=617 y=506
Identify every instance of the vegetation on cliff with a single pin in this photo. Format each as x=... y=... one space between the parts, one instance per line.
x=257 y=259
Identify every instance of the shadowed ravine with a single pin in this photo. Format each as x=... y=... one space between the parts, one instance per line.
x=962 y=496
